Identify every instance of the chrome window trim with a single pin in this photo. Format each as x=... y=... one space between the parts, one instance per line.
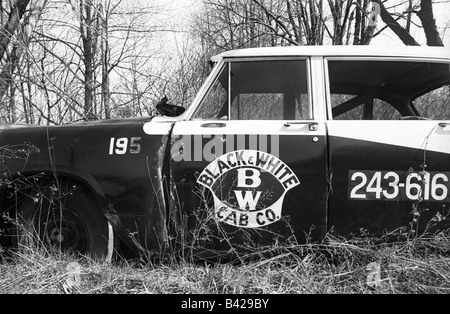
x=196 y=103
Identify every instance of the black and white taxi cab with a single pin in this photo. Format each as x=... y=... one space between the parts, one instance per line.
x=280 y=144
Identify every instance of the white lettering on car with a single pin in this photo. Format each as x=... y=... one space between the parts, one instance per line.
x=124 y=145
x=248 y=187
x=399 y=186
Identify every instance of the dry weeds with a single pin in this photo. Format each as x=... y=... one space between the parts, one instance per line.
x=420 y=265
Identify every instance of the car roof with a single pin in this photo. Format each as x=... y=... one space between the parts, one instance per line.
x=340 y=51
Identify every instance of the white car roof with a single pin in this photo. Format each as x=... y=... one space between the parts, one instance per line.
x=340 y=51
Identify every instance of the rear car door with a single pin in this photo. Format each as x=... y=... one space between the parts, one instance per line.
x=389 y=143
x=249 y=166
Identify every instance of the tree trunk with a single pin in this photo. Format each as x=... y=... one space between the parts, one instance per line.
x=401 y=33
x=12 y=59
x=88 y=58
x=429 y=23
x=358 y=24
x=8 y=30
x=105 y=63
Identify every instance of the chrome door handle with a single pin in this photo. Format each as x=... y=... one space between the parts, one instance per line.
x=214 y=125
x=313 y=126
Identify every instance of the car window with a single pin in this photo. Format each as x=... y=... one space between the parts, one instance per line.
x=435 y=104
x=372 y=109
x=260 y=90
x=215 y=103
x=388 y=90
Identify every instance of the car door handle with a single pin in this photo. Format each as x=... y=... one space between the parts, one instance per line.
x=214 y=125
x=313 y=126
x=444 y=124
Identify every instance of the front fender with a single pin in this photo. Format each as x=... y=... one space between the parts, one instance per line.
x=122 y=163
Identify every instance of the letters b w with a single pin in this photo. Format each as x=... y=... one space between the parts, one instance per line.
x=248 y=178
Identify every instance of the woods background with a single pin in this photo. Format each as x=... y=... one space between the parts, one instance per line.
x=70 y=60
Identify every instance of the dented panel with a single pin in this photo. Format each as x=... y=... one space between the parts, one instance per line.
x=122 y=163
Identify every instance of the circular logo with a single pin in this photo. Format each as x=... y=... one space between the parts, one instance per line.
x=248 y=187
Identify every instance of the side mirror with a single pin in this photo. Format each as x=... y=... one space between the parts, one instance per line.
x=169 y=110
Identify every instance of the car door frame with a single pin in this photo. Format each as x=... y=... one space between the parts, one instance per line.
x=352 y=216
x=318 y=111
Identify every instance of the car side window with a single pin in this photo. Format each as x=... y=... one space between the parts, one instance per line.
x=371 y=109
x=435 y=104
x=215 y=104
x=388 y=90
x=260 y=90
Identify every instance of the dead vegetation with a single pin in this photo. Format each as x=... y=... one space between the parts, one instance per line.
x=401 y=262
x=357 y=266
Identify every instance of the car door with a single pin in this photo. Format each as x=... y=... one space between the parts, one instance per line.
x=389 y=144
x=249 y=165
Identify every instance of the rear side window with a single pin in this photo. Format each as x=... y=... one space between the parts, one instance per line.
x=388 y=90
x=434 y=104
x=259 y=90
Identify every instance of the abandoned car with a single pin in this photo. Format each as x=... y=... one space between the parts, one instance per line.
x=280 y=144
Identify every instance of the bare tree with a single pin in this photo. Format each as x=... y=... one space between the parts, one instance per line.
x=12 y=23
x=424 y=11
x=235 y=24
x=426 y=16
x=74 y=52
x=15 y=38
x=285 y=22
x=363 y=31
x=104 y=16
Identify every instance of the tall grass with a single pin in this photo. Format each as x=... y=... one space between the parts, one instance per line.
x=357 y=266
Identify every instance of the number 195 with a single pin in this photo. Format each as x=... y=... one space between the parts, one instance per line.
x=123 y=145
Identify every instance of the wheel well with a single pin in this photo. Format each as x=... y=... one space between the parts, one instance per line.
x=20 y=187
x=17 y=189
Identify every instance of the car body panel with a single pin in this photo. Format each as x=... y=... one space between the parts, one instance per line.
x=292 y=174
x=379 y=170
x=119 y=161
x=156 y=178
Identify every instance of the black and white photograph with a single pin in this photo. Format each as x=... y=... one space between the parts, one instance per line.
x=225 y=154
